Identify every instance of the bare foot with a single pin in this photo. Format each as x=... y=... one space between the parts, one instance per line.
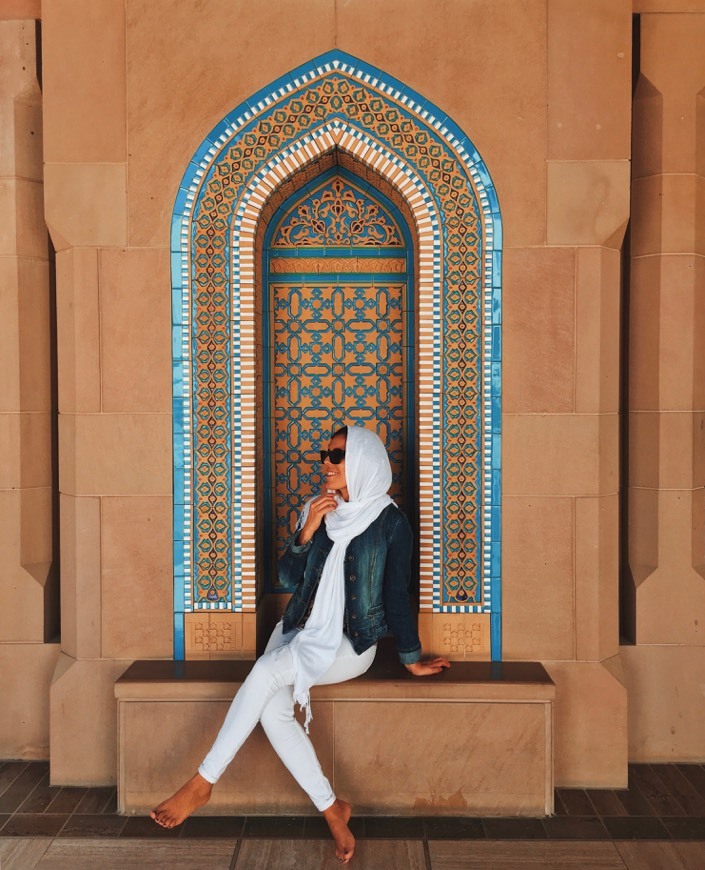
x=192 y=795
x=338 y=815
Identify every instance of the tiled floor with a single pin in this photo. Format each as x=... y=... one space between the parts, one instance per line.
x=658 y=822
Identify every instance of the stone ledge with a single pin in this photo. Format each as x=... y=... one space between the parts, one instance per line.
x=386 y=679
x=475 y=740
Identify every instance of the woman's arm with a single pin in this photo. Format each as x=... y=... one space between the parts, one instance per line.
x=400 y=619
x=292 y=564
x=397 y=578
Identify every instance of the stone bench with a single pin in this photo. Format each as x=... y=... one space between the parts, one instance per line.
x=475 y=740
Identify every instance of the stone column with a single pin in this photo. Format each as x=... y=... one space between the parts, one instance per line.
x=561 y=396
x=28 y=579
x=114 y=392
x=666 y=668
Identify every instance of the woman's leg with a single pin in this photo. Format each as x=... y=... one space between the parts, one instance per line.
x=289 y=739
x=296 y=751
x=268 y=674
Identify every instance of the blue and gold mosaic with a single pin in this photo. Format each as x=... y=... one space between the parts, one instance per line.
x=336 y=346
x=338 y=102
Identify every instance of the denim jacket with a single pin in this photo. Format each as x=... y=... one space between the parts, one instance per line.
x=377 y=576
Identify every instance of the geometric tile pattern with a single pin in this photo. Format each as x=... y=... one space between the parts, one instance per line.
x=335 y=343
x=338 y=103
x=330 y=368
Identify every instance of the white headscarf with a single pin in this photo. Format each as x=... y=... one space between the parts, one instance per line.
x=368 y=476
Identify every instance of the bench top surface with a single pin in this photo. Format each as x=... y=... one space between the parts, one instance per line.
x=386 y=667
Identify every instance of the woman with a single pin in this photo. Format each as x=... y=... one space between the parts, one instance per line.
x=350 y=562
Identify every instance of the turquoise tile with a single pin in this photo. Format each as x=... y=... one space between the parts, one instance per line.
x=179 y=638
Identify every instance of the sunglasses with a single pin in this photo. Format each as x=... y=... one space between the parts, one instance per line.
x=335 y=456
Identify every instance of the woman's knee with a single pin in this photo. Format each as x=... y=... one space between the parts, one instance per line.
x=270 y=670
x=279 y=711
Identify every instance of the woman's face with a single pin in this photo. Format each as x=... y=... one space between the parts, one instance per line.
x=335 y=474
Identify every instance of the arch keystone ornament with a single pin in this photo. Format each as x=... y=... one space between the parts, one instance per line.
x=338 y=111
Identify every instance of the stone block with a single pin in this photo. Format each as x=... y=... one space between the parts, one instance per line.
x=25 y=444
x=20 y=111
x=23 y=231
x=666 y=706
x=135 y=321
x=667 y=450
x=21 y=9
x=36 y=529
x=538 y=321
x=596 y=578
x=670 y=598
x=588 y=202
x=83 y=729
x=25 y=676
x=642 y=512
x=666 y=213
x=136 y=577
x=115 y=454
x=85 y=100
x=19 y=53
x=560 y=454
x=590 y=724
x=647 y=136
x=21 y=596
x=261 y=46
x=10 y=472
x=597 y=326
x=78 y=330
x=34 y=335
x=669 y=6
x=667 y=314
x=80 y=576
x=432 y=777
x=9 y=335
x=86 y=204
x=35 y=465
x=589 y=79
x=644 y=369
x=672 y=60
x=504 y=766
x=538 y=617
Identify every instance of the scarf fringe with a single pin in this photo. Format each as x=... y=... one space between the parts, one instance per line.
x=305 y=707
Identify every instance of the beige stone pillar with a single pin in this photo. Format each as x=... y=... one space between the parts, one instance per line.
x=666 y=669
x=114 y=392
x=561 y=396
x=28 y=578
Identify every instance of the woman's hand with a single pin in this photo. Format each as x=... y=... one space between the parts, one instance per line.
x=317 y=509
x=428 y=667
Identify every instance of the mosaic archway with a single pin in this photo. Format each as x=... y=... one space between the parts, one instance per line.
x=336 y=104
x=338 y=342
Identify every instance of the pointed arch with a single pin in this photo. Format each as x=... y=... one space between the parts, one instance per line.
x=337 y=104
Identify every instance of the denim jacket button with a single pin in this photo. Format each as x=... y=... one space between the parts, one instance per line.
x=352 y=577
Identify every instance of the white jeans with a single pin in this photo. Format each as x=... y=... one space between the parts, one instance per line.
x=267 y=696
